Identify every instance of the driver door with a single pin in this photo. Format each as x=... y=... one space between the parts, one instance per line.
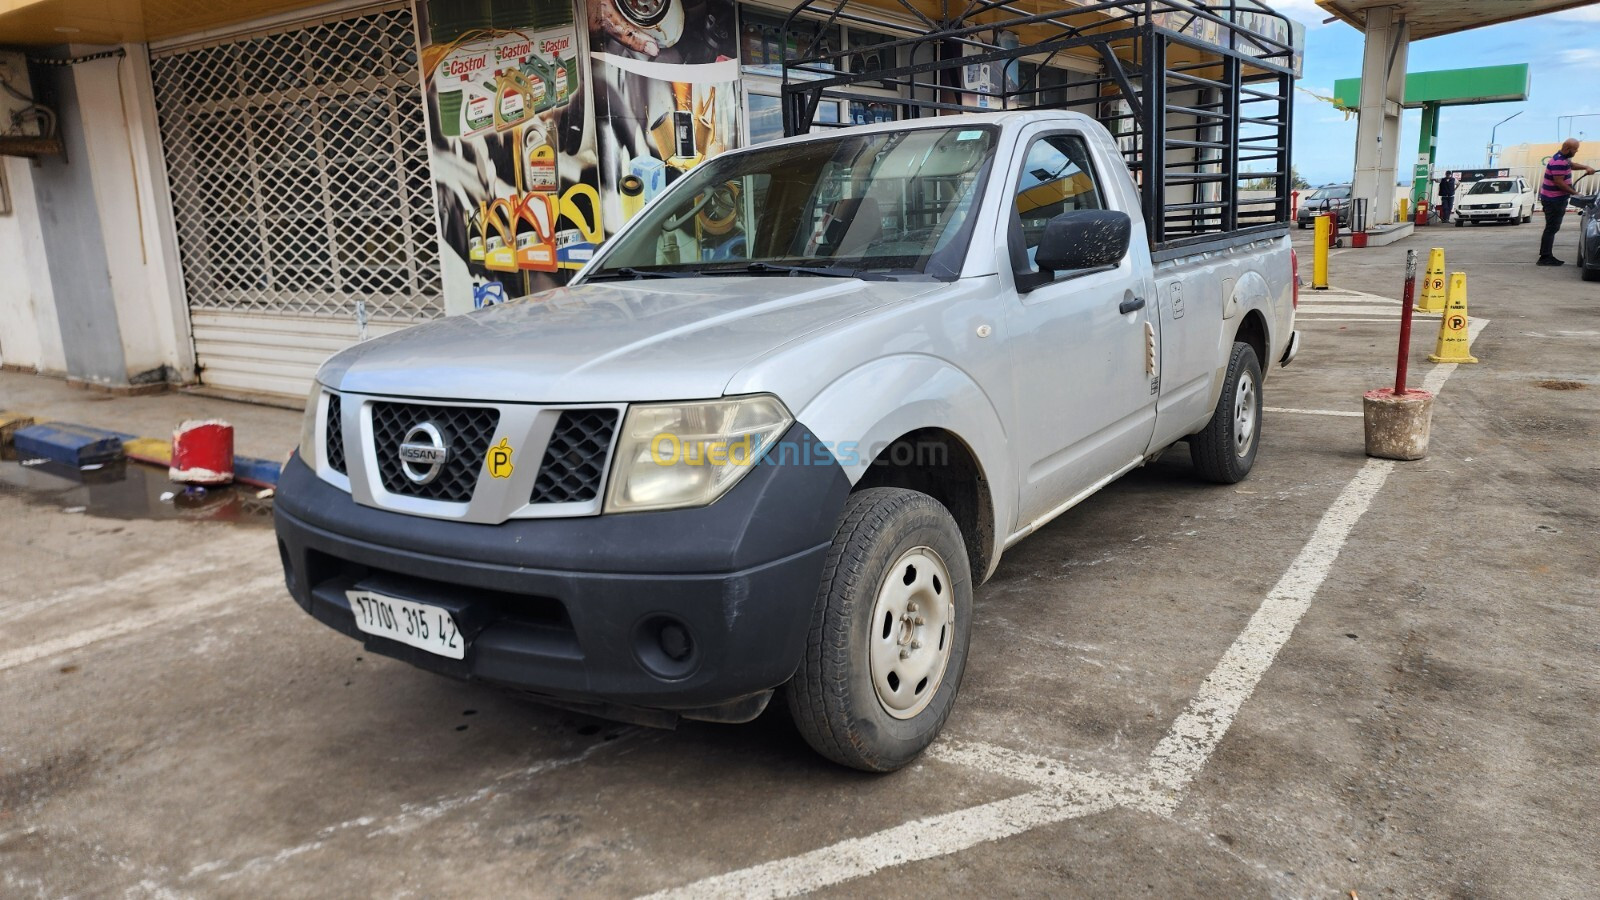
x=1081 y=376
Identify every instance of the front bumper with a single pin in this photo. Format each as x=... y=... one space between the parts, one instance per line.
x=1487 y=215
x=572 y=609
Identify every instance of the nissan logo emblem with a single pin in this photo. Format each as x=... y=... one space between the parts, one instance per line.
x=423 y=453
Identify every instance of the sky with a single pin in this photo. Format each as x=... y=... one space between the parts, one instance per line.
x=1563 y=50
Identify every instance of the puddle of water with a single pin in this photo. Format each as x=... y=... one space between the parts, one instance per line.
x=128 y=490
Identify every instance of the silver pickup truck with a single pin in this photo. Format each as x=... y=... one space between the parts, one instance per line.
x=712 y=469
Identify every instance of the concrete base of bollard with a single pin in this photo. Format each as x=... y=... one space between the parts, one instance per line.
x=1397 y=425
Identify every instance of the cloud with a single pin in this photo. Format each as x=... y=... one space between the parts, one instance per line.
x=1581 y=57
x=1586 y=14
x=1307 y=12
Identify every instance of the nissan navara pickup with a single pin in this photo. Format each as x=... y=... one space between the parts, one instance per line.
x=773 y=435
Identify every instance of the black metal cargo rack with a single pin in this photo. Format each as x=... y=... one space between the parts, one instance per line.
x=1205 y=76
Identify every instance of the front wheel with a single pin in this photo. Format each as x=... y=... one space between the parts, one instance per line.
x=1225 y=450
x=888 y=640
x=1460 y=222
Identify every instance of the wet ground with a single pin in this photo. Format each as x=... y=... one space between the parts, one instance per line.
x=1337 y=676
x=127 y=490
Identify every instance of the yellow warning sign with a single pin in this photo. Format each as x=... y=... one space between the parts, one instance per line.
x=500 y=459
x=1454 y=342
x=1432 y=299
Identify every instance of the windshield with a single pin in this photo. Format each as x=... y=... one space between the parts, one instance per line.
x=1491 y=187
x=1336 y=192
x=884 y=204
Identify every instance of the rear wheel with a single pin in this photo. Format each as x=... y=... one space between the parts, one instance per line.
x=888 y=641
x=1225 y=450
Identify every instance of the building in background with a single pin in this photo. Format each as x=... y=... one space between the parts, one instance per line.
x=240 y=188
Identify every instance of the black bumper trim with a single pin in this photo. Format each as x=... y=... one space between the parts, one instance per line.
x=564 y=607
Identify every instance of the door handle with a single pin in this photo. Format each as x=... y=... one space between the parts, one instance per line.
x=1133 y=304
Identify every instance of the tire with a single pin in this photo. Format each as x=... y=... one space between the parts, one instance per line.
x=1460 y=222
x=1591 y=274
x=1303 y=226
x=849 y=698
x=1225 y=450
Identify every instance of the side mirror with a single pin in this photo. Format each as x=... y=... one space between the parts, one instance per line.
x=1583 y=202
x=1084 y=239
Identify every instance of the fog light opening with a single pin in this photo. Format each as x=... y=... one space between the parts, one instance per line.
x=666 y=647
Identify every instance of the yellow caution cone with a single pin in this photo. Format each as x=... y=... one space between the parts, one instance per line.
x=1432 y=299
x=1453 y=339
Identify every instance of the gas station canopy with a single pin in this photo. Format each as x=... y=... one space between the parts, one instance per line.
x=1448 y=87
x=1431 y=18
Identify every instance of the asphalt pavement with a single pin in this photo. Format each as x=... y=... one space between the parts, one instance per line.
x=1340 y=675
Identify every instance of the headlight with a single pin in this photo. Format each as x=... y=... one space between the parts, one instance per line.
x=308 y=427
x=689 y=454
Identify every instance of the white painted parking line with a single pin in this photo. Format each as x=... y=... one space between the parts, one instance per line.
x=926 y=838
x=1039 y=771
x=140 y=620
x=1311 y=412
x=1196 y=733
x=409 y=818
x=225 y=550
x=1071 y=794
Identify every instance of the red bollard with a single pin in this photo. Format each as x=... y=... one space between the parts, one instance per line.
x=1405 y=324
x=1397 y=421
x=202 y=453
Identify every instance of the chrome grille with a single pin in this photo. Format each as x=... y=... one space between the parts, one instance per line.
x=335 y=435
x=574 y=460
x=466 y=431
x=298 y=165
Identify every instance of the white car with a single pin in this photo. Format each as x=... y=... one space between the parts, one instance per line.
x=1496 y=200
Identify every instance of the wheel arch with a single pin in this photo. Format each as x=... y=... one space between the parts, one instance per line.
x=867 y=412
x=937 y=462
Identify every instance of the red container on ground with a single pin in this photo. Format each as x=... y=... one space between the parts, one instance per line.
x=202 y=453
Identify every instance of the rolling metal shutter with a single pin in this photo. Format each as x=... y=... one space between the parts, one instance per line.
x=298 y=163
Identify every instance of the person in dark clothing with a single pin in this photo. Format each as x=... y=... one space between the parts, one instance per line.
x=1447 y=196
x=1553 y=194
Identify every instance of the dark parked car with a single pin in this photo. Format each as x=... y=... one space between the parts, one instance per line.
x=1328 y=198
x=1588 y=229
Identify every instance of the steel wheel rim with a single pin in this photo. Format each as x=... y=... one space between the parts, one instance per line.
x=913 y=632
x=1244 y=414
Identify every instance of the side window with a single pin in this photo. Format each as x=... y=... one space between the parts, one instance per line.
x=1056 y=177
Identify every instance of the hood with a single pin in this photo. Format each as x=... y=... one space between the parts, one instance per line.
x=657 y=339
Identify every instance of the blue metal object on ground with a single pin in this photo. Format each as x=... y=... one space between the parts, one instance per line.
x=72 y=445
x=261 y=472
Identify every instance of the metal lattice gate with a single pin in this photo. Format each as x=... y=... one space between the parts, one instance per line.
x=298 y=164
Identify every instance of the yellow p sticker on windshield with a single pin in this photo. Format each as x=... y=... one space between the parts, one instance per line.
x=500 y=459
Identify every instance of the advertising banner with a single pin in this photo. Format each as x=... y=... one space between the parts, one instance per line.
x=667 y=94
x=512 y=161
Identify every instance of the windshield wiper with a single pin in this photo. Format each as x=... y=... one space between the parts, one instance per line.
x=766 y=268
x=637 y=274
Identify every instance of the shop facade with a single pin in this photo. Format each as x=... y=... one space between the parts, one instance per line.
x=238 y=202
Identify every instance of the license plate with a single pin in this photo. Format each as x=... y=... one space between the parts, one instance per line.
x=417 y=624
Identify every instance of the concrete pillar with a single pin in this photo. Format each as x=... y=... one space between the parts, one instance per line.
x=1383 y=84
x=91 y=259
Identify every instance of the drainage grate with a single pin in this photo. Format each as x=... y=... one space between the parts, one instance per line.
x=298 y=165
x=466 y=431
x=575 y=459
x=335 y=435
